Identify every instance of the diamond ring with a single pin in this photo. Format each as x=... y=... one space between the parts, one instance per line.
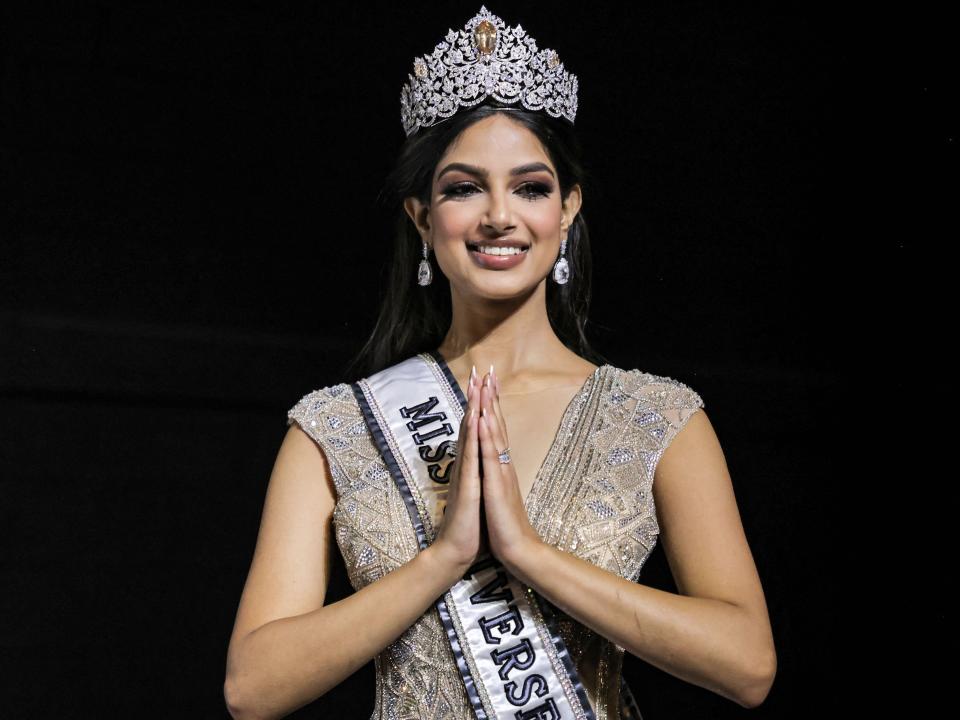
x=504 y=456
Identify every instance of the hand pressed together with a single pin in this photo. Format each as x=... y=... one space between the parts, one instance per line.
x=502 y=528
x=509 y=531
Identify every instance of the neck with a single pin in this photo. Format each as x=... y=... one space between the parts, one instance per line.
x=512 y=334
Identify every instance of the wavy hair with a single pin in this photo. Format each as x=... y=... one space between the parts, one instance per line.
x=414 y=318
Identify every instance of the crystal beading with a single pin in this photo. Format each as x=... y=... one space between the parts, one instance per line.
x=617 y=414
x=486 y=59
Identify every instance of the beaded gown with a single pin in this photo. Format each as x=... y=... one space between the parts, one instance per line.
x=592 y=497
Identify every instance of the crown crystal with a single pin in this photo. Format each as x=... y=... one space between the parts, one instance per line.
x=486 y=59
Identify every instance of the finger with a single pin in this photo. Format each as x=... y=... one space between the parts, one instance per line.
x=473 y=388
x=463 y=436
x=495 y=423
x=465 y=464
x=497 y=410
x=470 y=444
x=494 y=404
x=488 y=453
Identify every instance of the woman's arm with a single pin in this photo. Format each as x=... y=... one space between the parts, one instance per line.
x=287 y=648
x=716 y=633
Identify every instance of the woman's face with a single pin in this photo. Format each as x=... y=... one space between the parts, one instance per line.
x=471 y=208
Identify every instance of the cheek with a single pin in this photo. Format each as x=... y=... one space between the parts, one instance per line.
x=545 y=223
x=540 y=220
x=454 y=220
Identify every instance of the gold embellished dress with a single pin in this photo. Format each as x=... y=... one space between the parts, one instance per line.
x=592 y=497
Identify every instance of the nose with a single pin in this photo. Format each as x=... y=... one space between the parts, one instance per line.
x=498 y=213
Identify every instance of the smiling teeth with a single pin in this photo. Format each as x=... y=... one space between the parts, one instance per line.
x=488 y=250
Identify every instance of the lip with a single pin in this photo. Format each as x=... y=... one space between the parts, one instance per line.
x=499 y=262
x=502 y=242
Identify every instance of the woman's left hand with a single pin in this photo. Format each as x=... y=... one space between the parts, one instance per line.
x=509 y=532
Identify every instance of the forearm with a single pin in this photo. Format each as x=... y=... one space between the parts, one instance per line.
x=290 y=662
x=710 y=643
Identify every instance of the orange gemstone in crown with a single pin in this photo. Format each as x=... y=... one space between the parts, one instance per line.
x=485 y=37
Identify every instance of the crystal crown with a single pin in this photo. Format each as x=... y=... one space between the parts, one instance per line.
x=486 y=59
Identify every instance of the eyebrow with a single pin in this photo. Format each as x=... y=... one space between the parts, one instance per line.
x=484 y=173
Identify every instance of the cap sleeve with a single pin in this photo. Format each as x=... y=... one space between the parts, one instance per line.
x=676 y=402
x=328 y=416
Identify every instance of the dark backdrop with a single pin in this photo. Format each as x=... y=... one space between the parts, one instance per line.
x=191 y=243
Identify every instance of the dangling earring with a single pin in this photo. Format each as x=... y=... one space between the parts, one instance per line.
x=561 y=270
x=424 y=272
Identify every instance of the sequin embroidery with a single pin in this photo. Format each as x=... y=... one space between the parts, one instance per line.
x=593 y=499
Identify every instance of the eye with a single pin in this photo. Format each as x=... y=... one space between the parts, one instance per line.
x=536 y=190
x=530 y=190
x=458 y=190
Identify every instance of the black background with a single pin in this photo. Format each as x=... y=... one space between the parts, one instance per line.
x=191 y=243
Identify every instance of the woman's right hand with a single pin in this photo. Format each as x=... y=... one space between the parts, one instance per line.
x=460 y=539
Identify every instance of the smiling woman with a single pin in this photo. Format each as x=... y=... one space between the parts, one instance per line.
x=494 y=159
x=519 y=206
x=503 y=245
x=494 y=524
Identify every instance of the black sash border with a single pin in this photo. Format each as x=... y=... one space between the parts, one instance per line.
x=385 y=451
x=627 y=700
x=628 y=705
x=542 y=603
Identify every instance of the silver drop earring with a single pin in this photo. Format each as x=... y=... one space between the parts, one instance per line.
x=561 y=269
x=425 y=272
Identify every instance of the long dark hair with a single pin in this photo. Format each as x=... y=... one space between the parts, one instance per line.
x=416 y=318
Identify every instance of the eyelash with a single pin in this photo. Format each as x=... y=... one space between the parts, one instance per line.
x=539 y=190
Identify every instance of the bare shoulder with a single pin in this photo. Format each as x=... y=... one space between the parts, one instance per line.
x=700 y=526
x=565 y=370
x=572 y=370
x=289 y=571
x=580 y=366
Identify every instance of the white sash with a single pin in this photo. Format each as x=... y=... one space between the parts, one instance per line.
x=503 y=634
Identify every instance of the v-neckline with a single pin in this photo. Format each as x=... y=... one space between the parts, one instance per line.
x=538 y=478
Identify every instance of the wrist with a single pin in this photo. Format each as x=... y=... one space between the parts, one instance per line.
x=526 y=560
x=443 y=564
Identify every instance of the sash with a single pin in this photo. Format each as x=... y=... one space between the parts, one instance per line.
x=503 y=634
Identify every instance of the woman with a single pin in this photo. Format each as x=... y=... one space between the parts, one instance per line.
x=494 y=522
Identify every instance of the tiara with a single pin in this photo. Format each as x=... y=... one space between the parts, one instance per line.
x=486 y=59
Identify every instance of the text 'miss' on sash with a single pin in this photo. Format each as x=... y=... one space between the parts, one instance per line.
x=503 y=634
